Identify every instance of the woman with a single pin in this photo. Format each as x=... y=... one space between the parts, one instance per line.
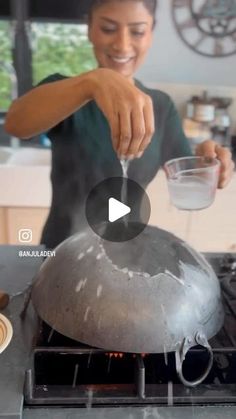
x=98 y=117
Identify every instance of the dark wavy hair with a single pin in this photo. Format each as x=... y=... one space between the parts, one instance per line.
x=151 y=6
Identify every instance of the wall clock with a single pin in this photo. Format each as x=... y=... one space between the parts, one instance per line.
x=208 y=27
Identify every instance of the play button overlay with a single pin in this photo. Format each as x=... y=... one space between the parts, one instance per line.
x=118 y=209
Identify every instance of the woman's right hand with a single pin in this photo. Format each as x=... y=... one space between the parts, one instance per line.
x=128 y=110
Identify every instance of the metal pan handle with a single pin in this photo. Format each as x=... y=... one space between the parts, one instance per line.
x=226 y=285
x=180 y=354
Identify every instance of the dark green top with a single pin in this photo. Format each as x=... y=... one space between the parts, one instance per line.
x=83 y=156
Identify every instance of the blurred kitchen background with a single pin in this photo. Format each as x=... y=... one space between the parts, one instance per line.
x=193 y=59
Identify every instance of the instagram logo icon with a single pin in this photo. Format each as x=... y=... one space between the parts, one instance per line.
x=25 y=235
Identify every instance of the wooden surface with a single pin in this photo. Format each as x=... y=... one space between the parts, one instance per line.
x=14 y=220
x=212 y=229
x=3 y=226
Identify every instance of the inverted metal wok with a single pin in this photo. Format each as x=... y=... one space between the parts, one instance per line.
x=151 y=294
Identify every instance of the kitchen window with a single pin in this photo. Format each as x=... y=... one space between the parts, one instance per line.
x=5 y=57
x=60 y=48
x=56 y=48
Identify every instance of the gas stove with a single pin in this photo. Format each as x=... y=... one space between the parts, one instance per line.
x=63 y=372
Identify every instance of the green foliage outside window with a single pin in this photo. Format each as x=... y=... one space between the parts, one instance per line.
x=60 y=48
x=5 y=56
x=56 y=48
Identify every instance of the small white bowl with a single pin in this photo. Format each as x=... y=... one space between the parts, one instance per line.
x=6 y=332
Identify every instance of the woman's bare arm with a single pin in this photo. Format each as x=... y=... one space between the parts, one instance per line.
x=45 y=106
x=128 y=110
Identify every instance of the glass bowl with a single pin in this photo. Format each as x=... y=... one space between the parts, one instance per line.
x=192 y=181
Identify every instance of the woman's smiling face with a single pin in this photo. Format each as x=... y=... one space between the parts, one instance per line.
x=121 y=34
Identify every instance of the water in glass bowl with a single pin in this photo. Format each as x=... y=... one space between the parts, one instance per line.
x=190 y=192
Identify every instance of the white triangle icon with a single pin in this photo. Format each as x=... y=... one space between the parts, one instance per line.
x=117 y=210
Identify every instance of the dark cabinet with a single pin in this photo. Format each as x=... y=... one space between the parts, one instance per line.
x=50 y=10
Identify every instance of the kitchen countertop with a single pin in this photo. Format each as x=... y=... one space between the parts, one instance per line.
x=15 y=277
x=135 y=413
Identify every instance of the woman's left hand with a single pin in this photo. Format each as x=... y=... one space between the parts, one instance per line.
x=211 y=149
